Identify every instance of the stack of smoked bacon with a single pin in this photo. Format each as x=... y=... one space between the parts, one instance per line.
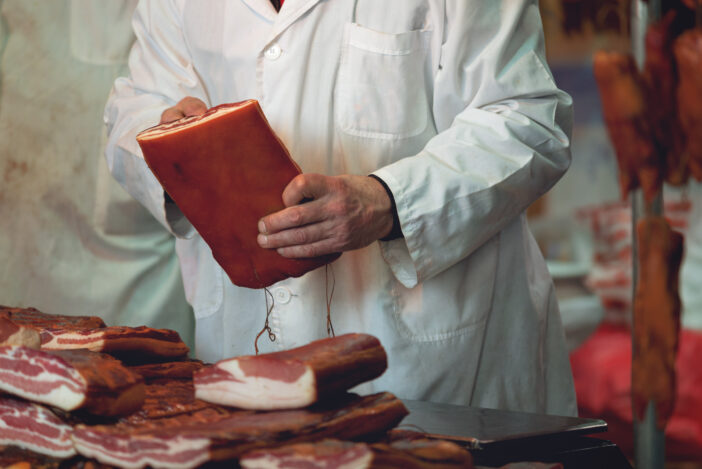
x=77 y=393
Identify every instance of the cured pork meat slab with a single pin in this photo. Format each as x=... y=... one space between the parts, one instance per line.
x=71 y=380
x=32 y=317
x=117 y=340
x=189 y=440
x=334 y=454
x=623 y=97
x=183 y=369
x=13 y=334
x=168 y=398
x=656 y=318
x=34 y=427
x=293 y=378
x=688 y=53
x=225 y=170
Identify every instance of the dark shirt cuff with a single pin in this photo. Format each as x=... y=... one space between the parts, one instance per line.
x=396 y=231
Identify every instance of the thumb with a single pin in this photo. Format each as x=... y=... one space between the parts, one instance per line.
x=305 y=187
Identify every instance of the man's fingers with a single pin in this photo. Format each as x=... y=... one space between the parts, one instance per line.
x=309 y=234
x=171 y=114
x=305 y=186
x=188 y=106
x=291 y=217
x=192 y=106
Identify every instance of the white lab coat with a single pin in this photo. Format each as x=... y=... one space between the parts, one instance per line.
x=451 y=104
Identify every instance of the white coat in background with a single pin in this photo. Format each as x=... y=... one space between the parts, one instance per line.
x=72 y=240
x=451 y=103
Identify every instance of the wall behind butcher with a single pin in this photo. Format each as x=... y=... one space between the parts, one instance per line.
x=72 y=241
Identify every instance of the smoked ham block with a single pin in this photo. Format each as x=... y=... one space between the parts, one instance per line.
x=117 y=340
x=656 y=318
x=225 y=170
x=293 y=378
x=333 y=454
x=688 y=54
x=187 y=441
x=32 y=317
x=14 y=334
x=623 y=97
x=35 y=428
x=71 y=380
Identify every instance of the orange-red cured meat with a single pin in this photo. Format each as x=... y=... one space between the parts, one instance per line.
x=144 y=342
x=225 y=170
x=34 y=318
x=688 y=54
x=332 y=454
x=293 y=378
x=656 y=318
x=623 y=98
x=71 y=380
x=189 y=440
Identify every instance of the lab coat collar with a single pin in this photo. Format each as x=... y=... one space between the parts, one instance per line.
x=289 y=13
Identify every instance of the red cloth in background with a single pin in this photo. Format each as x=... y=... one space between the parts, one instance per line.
x=602 y=374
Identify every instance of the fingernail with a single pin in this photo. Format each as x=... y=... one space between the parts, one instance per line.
x=262 y=240
x=261 y=227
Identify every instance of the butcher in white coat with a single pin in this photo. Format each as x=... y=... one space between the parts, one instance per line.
x=451 y=105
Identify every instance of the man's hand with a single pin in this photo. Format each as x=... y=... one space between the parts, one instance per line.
x=344 y=213
x=186 y=107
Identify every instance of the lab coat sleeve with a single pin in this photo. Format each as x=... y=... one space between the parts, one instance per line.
x=503 y=138
x=161 y=74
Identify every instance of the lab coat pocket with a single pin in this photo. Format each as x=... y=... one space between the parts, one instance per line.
x=381 y=90
x=453 y=303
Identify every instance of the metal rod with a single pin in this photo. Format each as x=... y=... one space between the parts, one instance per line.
x=649 y=440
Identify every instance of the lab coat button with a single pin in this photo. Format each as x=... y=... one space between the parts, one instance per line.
x=273 y=52
x=282 y=295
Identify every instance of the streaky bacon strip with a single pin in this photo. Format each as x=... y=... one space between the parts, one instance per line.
x=333 y=454
x=14 y=334
x=189 y=440
x=34 y=427
x=293 y=378
x=118 y=340
x=32 y=317
x=70 y=380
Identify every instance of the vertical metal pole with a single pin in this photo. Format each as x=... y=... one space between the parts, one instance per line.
x=649 y=441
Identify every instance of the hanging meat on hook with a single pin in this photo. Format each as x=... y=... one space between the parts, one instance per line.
x=656 y=317
x=688 y=54
x=623 y=96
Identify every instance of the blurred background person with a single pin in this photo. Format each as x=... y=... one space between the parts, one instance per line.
x=72 y=240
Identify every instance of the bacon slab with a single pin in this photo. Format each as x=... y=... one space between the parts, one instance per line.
x=293 y=378
x=187 y=441
x=117 y=340
x=182 y=369
x=13 y=334
x=333 y=454
x=688 y=54
x=168 y=398
x=34 y=427
x=622 y=93
x=656 y=318
x=32 y=317
x=225 y=170
x=70 y=380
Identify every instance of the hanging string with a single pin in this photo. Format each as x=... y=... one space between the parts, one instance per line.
x=329 y=296
x=266 y=326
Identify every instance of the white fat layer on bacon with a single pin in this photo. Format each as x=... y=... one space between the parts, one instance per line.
x=63 y=341
x=24 y=336
x=268 y=461
x=31 y=435
x=61 y=396
x=128 y=455
x=186 y=122
x=256 y=392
